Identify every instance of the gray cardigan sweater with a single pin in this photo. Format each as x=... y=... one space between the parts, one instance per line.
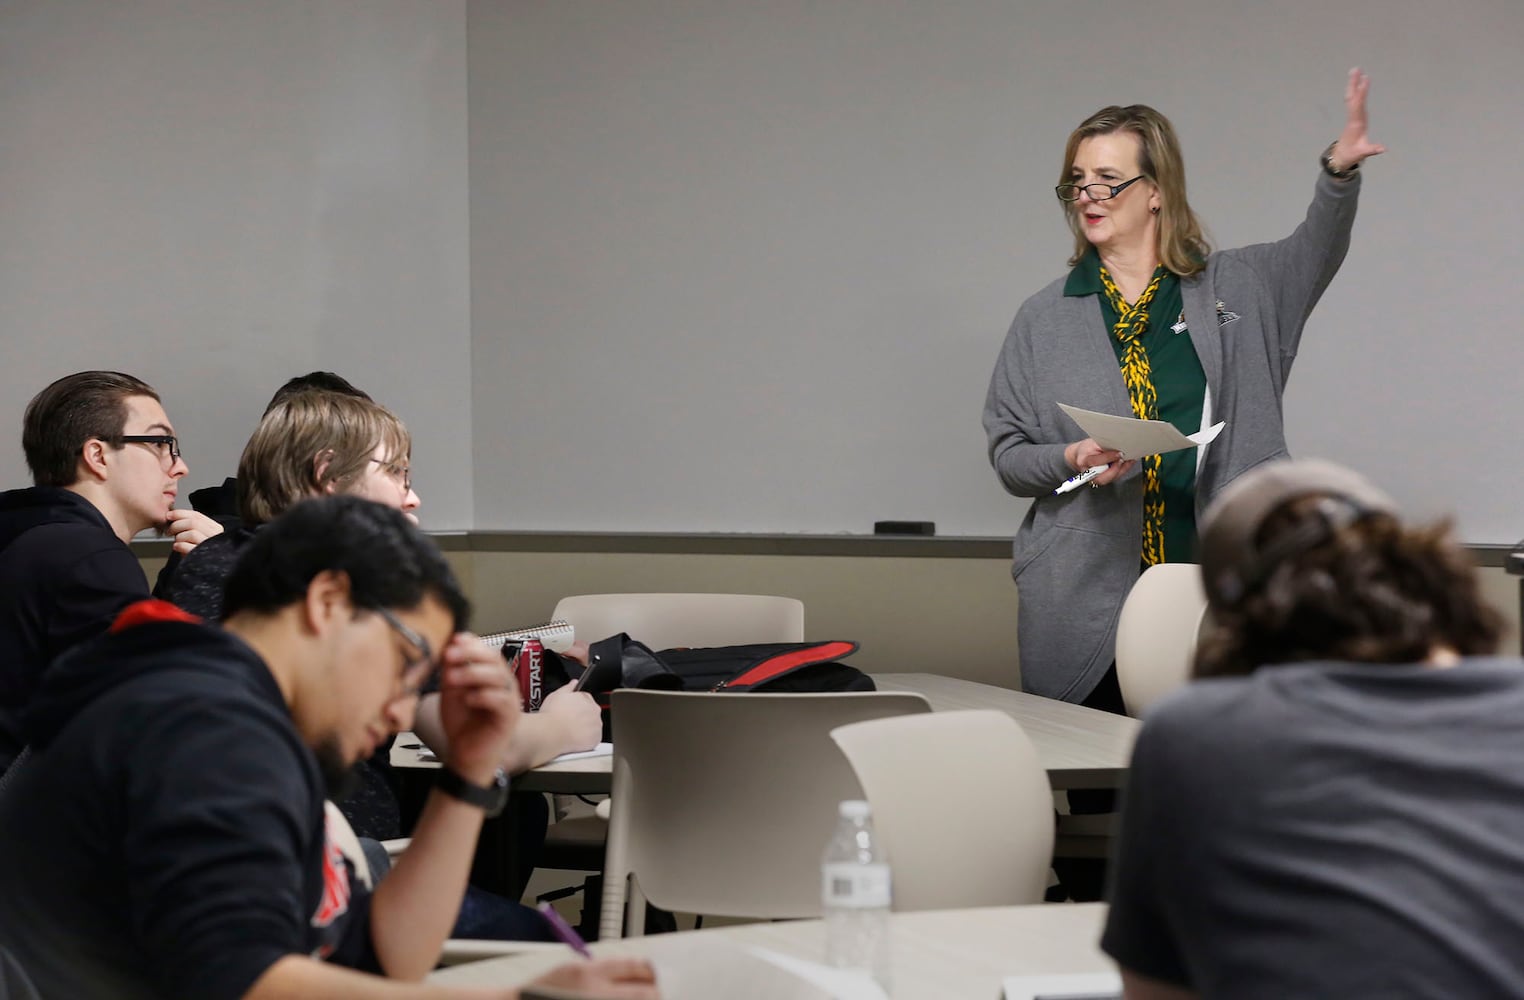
x=1077 y=555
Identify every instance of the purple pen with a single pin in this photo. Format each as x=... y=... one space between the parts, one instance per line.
x=563 y=930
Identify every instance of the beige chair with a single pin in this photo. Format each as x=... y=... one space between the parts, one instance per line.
x=664 y=621
x=1161 y=623
x=661 y=621
x=723 y=803
x=961 y=805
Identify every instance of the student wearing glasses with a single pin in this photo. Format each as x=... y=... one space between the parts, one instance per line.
x=310 y=444
x=1148 y=323
x=106 y=465
x=221 y=501
x=167 y=834
x=319 y=443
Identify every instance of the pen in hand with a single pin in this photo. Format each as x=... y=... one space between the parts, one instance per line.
x=563 y=930
x=1075 y=482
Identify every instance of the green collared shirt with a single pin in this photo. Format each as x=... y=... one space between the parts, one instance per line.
x=1180 y=384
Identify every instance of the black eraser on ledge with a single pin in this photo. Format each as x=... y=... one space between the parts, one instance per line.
x=904 y=527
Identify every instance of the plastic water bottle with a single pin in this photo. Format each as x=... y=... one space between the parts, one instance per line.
x=855 y=895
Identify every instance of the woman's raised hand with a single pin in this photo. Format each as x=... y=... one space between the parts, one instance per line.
x=1355 y=143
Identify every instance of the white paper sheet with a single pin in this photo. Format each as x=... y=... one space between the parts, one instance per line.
x=1073 y=985
x=703 y=970
x=601 y=750
x=1135 y=438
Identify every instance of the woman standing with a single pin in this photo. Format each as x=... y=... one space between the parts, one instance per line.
x=1148 y=323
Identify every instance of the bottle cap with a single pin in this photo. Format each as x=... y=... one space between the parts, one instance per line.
x=855 y=809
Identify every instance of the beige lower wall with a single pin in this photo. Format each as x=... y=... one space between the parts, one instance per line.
x=948 y=616
x=1502 y=591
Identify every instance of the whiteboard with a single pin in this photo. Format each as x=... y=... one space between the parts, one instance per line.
x=745 y=266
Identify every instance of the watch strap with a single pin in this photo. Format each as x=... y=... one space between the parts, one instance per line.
x=489 y=798
x=1326 y=160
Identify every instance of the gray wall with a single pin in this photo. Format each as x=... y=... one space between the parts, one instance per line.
x=216 y=195
x=718 y=264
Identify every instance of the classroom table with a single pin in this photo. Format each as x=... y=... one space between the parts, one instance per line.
x=1079 y=747
x=937 y=953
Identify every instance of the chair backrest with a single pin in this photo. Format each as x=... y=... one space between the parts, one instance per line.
x=663 y=621
x=1162 y=621
x=961 y=804
x=723 y=803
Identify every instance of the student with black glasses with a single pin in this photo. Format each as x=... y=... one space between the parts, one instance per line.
x=106 y=465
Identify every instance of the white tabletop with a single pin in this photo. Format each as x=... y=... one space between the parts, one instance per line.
x=942 y=953
x=1079 y=747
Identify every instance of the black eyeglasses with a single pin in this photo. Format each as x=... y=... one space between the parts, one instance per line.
x=160 y=440
x=417 y=670
x=1097 y=192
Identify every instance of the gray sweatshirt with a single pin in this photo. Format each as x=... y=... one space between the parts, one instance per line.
x=1077 y=555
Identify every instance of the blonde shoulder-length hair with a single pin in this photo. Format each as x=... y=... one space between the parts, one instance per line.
x=1183 y=248
x=310 y=442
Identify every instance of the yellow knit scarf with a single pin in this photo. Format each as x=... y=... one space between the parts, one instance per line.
x=1131 y=326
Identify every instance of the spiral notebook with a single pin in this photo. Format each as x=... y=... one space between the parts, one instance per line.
x=557 y=636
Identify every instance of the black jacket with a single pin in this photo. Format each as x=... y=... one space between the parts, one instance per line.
x=166 y=836
x=219 y=502
x=64 y=575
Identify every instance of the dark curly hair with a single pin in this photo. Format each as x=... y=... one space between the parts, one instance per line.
x=1374 y=591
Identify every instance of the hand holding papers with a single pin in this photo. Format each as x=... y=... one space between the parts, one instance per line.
x=1136 y=438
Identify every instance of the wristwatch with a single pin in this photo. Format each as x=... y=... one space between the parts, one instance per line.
x=1327 y=161
x=489 y=798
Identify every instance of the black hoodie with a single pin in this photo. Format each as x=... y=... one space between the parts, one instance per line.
x=166 y=836
x=64 y=575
